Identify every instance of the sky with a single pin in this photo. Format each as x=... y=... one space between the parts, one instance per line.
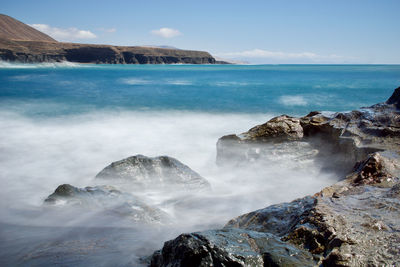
x=259 y=32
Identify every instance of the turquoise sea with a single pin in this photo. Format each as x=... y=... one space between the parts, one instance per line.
x=63 y=123
x=293 y=89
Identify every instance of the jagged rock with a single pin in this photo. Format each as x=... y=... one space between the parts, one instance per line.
x=372 y=171
x=355 y=222
x=230 y=247
x=278 y=128
x=155 y=173
x=353 y=225
x=106 y=198
x=395 y=98
x=276 y=219
x=238 y=149
x=340 y=138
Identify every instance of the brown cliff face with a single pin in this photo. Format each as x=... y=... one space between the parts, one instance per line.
x=21 y=43
x=13 y=29
x=37 y=51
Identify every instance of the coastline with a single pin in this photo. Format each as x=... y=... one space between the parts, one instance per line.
x=354 y=222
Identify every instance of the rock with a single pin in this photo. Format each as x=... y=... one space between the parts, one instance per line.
x=354 y=222
x=359 y=227
x=108 y=199
x=372 y=170
x=230 y=247
x=156 y=173
x=279 y=128
x=246 y=147
x=276 y=219
x=342 y=139
x=395 y=98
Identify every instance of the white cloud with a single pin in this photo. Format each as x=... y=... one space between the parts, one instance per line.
x=64 y=34
x=166 y=32
x=284 y=56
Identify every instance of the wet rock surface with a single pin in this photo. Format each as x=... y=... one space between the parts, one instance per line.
x=354 y=222
x=230 y=247
x=158 y=172
x=106 y=199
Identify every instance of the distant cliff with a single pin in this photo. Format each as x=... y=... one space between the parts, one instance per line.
x=21 y=43
x=38 y=51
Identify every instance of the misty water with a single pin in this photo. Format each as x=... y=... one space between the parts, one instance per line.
x=63 y=123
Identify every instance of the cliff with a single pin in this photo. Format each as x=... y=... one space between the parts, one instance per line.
x=39 y=51
x=21 y=43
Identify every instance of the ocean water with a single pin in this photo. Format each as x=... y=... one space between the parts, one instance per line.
x=63 y=123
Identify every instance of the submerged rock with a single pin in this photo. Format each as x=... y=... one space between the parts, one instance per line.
x=140 y=176
x=159 y=172
x=108 y=199
x=230 y=247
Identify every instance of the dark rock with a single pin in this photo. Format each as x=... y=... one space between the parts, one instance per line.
x=371 y=171
x=107 y=199
x=88 y=54
x=156 y=173
x=277 y=219
x=395 y=98
x=230 y=247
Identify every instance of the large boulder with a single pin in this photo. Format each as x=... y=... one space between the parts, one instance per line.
x=106 y=199
x=155 y=173
x=230 y=247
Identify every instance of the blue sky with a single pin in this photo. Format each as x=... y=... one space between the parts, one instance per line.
x=279 y=31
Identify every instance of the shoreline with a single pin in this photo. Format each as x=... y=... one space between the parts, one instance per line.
x=339 y=226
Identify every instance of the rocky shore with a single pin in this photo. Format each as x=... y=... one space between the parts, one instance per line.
x=355 y=222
